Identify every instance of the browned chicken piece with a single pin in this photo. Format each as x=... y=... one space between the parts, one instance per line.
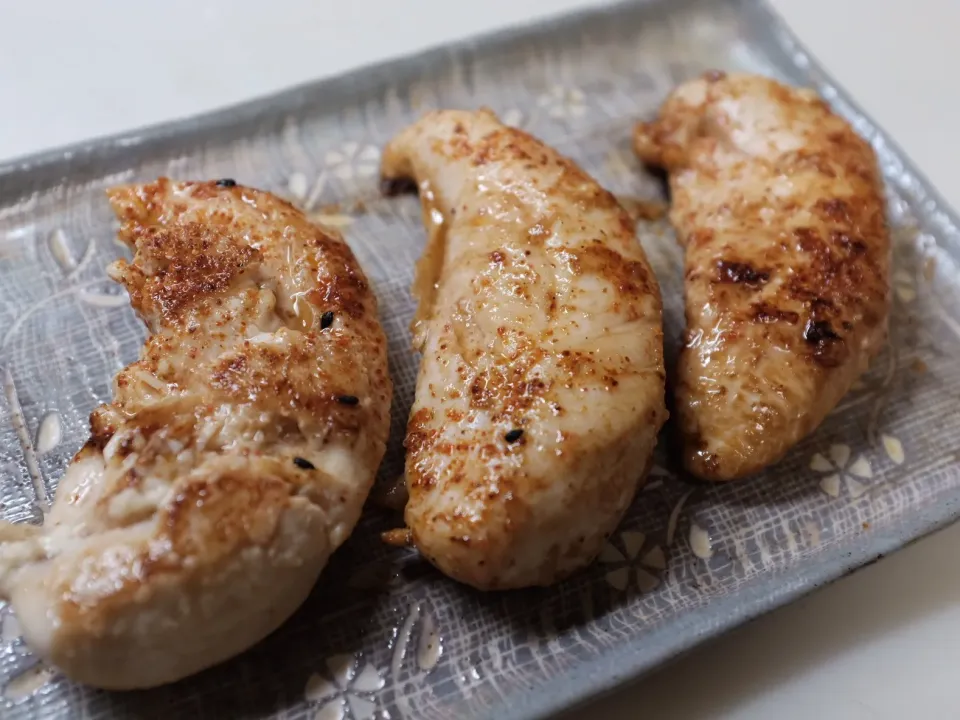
x=235 y=456
x=779 y=205
x=541 y=388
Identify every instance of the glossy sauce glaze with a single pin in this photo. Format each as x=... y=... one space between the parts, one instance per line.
x=235 y=456
x=779 y=205
x=541 y=388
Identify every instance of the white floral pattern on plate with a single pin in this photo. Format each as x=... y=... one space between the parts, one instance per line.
x=630 y=568
x=839 y=470
x=893 y=448
x=346 y=690
x=563 y=103
x=353 y=160
x=350 y=162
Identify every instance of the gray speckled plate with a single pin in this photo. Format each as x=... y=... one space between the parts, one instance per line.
x=383 y=636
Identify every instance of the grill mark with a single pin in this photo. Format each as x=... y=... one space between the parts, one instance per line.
x=741 y=274
x=828 y=347
x=767 y=313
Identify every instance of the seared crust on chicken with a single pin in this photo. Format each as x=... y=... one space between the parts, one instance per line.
x=779 y=204
x=237 y=452
x=541 y=388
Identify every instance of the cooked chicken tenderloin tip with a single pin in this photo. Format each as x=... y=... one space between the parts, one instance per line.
x=541 y=386
x=235 y=456
x=779 y=205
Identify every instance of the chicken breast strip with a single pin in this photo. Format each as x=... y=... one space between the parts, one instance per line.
x=541 y=387
x=235 y=456
x=780 y=207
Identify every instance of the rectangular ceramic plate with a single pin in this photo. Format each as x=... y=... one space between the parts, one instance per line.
x=383 y=635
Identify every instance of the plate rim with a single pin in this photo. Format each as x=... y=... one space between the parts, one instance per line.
x=586 y=682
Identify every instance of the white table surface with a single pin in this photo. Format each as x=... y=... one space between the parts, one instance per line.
x=884 y=643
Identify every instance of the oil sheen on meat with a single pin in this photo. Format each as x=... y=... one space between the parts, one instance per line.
x=779 y=205
x=541 y=386
x=235 y=456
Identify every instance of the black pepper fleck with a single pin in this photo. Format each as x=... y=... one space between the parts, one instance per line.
x=226 y=182
x=326 y=320
x=513 y=435
x=304 y=464
x=348 y=399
